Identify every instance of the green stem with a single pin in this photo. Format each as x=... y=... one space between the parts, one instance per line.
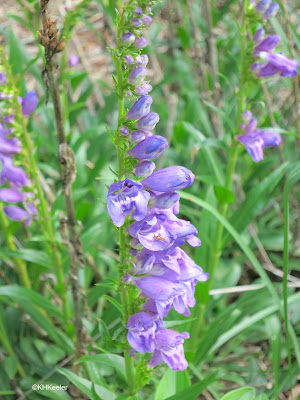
x=129 y=364
x=19 y=264
x=46 y=225
x=223 y=207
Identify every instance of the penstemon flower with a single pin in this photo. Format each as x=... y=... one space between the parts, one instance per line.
x=164 y=273
x=13 y=178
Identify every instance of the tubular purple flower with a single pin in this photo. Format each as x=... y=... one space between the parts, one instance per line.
x=127 y=39
x=73 y=60
x=12 y=174
x=164 y=200
x=263 y=5
x=29 y=103
x=169 y=349
x=128 y=59
x=8 y=119
x=143 y=264
x=266 y=70
x=124 y=130
x=169 y=179
x=140 y=108
x=140 y=43
x=259 y=35
x=137 y=136
x=144 y=168
x=11 y=196
x=286 y=66
x=137 y=75
x=149 y=148
x=141 y=332
x=9 y=146
x=123 y=198
x=142 y=60
x=136 y=22
x=268 y=44
x=18 y=214
x=271 y=11
x=270 y=138
x=147 y=20
x=3 y=80
x=148 y=122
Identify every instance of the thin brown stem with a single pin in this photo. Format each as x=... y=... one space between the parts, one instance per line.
x=49 y=37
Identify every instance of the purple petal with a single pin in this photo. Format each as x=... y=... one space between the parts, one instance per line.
x=11 y=196
x=29 y=103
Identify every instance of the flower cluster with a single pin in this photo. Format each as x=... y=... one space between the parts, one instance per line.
x=13 y=178
x=256 y=139
x=272 y=63
x=164 y=273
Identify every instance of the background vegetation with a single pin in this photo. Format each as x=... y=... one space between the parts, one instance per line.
x=194 y=64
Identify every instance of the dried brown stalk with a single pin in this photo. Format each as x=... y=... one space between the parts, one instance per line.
x=49 y=38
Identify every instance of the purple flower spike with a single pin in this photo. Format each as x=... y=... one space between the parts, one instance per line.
x=271 y=11
x=149 y=148
x=137 y=136
x=73 y=60
x=3 y=80
x=9 y=146
x=12 y=174
x=268 y=44
x=144 y=88
x=141 y=332
x=29 y=103
x=142 y=60
x=263 y=5
x=137 y=75
x=138 y=11
x=144 y=168
x=128 y=59
x=169 y=179
x=286 y=66
x=165 y=200
x=147 y=20
x=127 y=39
x=18 y=214
x=11 y=196
x=124 y=197
x=136 y=22
x=140 y=108
x=124 y=131
x=169 y=349
x=140 y=43
x=259 y=35
x=148 y=122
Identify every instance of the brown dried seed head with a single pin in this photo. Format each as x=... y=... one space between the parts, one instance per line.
x=47 y=22
x=61 y=44
x=53 y=28
x=45 y=41
x=54 y=41
x=39 y=37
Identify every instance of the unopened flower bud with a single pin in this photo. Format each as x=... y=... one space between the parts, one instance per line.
x=169 y=179
x=149 y=148
x=148 y=122
x=73 y=61
x=142 y=60
x=29 y=103
x=143 y=89
x=138 y=11
x=124 y=130
x=129 y=93
x=268 y=44
x=259 y=35
x=140 y=108
x=128 y=59
x=147 y=20
x=140 y=43
x=3 y=80
x=137 y=136
x=147 y=10
x=127 y=39
x=165 y=200
x=263 y=5
x=144 y=168
x=137 y=75
x=247 y=115
x=136 y=22
x=271 y=11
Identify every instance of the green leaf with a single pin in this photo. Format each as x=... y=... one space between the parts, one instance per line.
x=35 y=256
x=246 y=393
x=194 y=391
x=86 y=386
x=114 y=302
x=169 y=324
x=223 y=195
x=11 y=366
x=167 y=386
x=112 y=360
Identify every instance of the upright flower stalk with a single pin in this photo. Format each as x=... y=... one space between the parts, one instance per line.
x=143 y=204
